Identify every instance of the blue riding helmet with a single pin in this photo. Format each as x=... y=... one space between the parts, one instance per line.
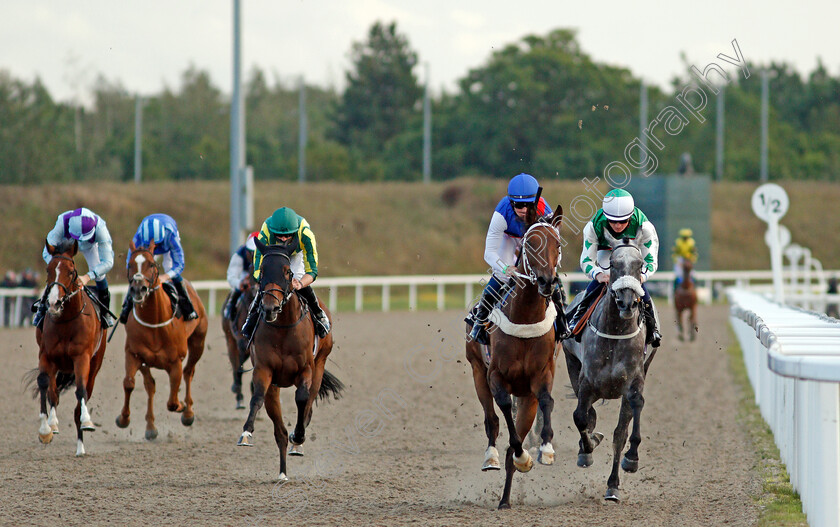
x=523 y=188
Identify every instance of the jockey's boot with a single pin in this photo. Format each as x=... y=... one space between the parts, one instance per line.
x=575 y=318
x=251 y=320
x=126 y=309
x=561 y=325
x=184 y=302
x=230 y=307
x=653 y=337
x=40 y=310
x=105 y=299
x=479 y=329
x=319 y=318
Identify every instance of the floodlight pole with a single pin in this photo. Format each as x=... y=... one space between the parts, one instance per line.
x=237 y=129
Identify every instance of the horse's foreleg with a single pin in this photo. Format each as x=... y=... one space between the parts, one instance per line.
x=195 y=344
x=45 y=431
x=546 y=402
x=619 y=439
x=491 y=420
x=132 y=364
x=693 y=320
x=679 y=325
x=630 y=463
x=149 y=385
x=81 y=415
x=281 y=435
x=301 y=400
x=516 y=457
x=583 y=416
x=173 y=404
x=261 y=380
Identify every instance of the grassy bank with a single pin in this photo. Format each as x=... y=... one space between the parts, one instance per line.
x=381 y=228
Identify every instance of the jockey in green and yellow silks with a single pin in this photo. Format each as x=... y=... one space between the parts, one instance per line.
x=286 y=227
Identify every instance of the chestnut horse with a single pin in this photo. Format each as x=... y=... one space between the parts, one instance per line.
x=156 y=338
x=521 y=355
x=283 y=354
x=71 y=345
x=685 y=299
x=237 y=345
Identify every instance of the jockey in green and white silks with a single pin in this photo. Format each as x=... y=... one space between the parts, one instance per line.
x=286 y=227
x=620 y=218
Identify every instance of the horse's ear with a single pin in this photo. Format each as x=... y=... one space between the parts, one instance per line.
x=152 y=246
x=131 y=245
x=261 y=247
x=75 y=248
x=50 y=248
x=557 y=217
x=614 y=242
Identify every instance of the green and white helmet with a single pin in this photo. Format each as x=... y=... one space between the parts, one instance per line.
x=618 y=205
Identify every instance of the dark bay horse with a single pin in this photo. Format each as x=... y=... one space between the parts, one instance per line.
x=156 y=338
x=611 y=362
x=237 y=345
x=284 y=354
x=522 y=355
x=71 y=345
x=685 y=299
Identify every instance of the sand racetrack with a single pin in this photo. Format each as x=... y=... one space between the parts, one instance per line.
x=403 y=447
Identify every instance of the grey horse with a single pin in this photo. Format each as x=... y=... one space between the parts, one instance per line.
x=611 y=362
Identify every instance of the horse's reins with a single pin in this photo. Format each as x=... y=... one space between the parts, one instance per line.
x=531 y=276
x=67 y=294
x=612 y=293
x=154 y=285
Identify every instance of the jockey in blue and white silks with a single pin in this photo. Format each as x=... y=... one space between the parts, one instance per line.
x=89 y=230
x=620 y=218
x=163 y=230
x=508 y=224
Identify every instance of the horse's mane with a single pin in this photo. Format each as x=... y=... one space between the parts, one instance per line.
x=64 y=246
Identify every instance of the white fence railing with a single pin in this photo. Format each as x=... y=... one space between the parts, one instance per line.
x=793 y=362
x=14 y=309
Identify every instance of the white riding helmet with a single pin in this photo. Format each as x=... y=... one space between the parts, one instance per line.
x=618 y=205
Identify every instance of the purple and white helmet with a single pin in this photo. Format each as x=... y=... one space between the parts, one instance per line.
x=80 y=224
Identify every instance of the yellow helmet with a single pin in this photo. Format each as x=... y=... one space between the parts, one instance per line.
x=686 y=233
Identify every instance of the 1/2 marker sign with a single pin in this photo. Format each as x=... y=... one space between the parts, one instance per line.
x=770 y=201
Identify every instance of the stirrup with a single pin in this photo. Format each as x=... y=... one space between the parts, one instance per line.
x=322 y=324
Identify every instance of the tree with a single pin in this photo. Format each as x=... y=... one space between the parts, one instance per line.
x=382 y=92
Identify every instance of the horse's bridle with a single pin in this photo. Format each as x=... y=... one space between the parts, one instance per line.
x=67 y=293
x=285 y=293
x=530 y=275
x=138 y=276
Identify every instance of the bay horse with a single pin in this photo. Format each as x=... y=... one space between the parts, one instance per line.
x=611 y=362
x=685 y=299
x=521 y=355
x=237 y=344
x=71 y=345
x=283 y=352
x=156 y=338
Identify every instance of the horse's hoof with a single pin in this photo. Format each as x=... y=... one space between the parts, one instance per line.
x=596 y=438
x=504 y=505
x=491 y=459
x=151 y=434
x=245 y=439
x=87 y=426
x=629 y=465
x=54 y=429
x=295 y=450
x=121 y=423
x=240 y=405
x=584 y=460
x=523 y=463
x=282 y=477
x=612 y=495
x=80 y=448
x=187 y=421
x=45 y=438
x=546 y=454
x=177 y=409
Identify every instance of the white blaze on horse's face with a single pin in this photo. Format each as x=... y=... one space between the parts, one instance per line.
x=52 y=299
x=138 y=260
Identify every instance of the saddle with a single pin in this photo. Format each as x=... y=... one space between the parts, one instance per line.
x=587 y=302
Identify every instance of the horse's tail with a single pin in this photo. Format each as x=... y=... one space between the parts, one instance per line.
x=330 y=385
x=63 y=381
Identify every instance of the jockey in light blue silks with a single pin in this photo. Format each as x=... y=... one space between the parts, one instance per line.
x=521 y=207
x=239 y=268
x=89 y=230
x=163 y=230
x=621 y=219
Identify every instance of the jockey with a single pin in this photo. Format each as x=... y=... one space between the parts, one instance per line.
x=237 y=271
x=521 y=207
x=685 y=248
x=621 y=219
x=286 y=227
x=90 y=231
x=163 y=230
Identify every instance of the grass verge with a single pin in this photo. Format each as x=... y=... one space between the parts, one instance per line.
x=780 y=503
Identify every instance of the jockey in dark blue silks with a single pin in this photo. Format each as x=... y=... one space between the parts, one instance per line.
x=239 y=268
x=163 y=230
x=521 y=207
x=90 y=231
x=619 y=217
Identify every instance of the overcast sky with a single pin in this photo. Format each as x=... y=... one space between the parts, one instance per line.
x=148 y=44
